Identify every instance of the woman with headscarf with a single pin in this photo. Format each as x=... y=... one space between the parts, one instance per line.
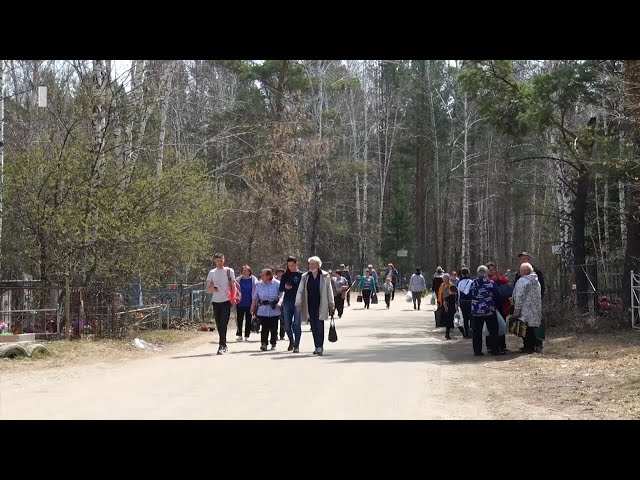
x=527 y=302
x=315 y=301
x=417 y=285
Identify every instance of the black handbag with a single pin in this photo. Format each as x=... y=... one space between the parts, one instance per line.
x=333 y=335
x=374 y=298
x=255 y=324
x=359 y=299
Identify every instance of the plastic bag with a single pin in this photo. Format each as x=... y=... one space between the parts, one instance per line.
x=502 y=325
x=409 y=297
x=457 y=319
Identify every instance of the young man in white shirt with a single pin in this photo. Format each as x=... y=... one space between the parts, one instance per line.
x=220 y=281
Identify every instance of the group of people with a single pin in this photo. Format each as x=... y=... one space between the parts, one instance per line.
x=489 y=299
x=280 y=297
x=286 y=297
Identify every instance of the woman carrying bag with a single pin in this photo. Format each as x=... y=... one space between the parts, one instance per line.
x=367 y=286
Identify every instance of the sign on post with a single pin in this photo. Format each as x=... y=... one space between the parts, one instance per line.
x=42 y=96
x=556 y=249
x=402 y=253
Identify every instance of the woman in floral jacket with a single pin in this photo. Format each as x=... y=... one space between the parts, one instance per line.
x=527 y=302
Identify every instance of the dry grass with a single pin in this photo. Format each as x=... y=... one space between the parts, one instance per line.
x=588 y=376
x=86 y=351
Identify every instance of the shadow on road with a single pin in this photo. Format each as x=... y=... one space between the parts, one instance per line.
x=434 y=349
x=213 y=354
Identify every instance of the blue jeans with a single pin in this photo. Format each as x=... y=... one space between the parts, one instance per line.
x=292 y=323
x=317 y=328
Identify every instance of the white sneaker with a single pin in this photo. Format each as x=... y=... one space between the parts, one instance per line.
x=246 y=339
x=238 y=339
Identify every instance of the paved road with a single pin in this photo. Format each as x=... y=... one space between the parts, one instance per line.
x=385 y=365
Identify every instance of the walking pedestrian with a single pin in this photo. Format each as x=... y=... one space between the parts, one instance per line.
x=279 y=273
x=289 y=285
x=315 y=301
x=340 y=286
x=388 y=291
x=266 y=304
x=247 y=283
x=367 y=287
x=221 y=285
x=417 y=285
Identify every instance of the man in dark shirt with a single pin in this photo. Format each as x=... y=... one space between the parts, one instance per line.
x=289 y=284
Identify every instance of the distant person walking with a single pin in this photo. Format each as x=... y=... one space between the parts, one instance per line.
x=367 y=287
x=417 y=285
x=393 y=273
x=347 y=275
x=388 y=291
x=341 y=286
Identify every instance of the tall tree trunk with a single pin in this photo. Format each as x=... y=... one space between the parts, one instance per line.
x=437 y=223
x=101 y=78
x=165 y=91
x=579 y=224
x=464 y=252
x=2 y=63
x=365 y=181
x=421 y=172
x=632 y=253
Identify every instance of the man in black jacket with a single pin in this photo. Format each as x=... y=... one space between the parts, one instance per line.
x=524 y=257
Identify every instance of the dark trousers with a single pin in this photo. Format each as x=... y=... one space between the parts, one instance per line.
x=387 y=298
x=339 y=301
x=393 y=292
x=417 y=297
x=465 y=308
x=269 y=326
x=317 y=328
x=492 y=325
x=282 y=327
x=531 y=341
x=349 y=298
x=221 y=313
x=366 y=297
x=243 y=315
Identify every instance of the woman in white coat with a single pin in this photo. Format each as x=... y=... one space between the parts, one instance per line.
x=315 y=301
